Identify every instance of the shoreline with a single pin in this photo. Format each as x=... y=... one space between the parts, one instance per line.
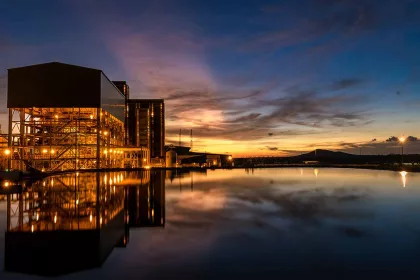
x=354 y=166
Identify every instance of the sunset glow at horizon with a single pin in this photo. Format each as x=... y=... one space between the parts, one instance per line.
x=254 y=78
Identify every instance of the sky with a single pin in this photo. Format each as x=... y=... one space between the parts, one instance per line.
x=251 y=78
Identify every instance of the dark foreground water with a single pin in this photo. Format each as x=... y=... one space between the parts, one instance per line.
x=252 y=224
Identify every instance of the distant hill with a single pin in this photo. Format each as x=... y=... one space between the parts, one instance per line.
x=325 y=154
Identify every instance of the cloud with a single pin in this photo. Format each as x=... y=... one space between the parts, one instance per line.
x=272 y=148
x=407 y=139
x=346 y=83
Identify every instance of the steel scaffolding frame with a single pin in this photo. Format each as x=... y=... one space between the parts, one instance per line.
x=53 y=139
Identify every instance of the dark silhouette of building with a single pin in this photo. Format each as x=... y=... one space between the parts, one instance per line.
x=146 y=125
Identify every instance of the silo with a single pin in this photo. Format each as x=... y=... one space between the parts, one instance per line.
x=170 y=159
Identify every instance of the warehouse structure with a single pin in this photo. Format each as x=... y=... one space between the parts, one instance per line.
x=64 y=117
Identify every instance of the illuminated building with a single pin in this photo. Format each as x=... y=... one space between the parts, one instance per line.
x=146 y=126
x=125 y=90
x=64 y=117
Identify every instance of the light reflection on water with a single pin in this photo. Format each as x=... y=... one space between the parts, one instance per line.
x=225 y=223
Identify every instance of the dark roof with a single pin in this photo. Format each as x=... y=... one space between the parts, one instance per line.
x=54 y=62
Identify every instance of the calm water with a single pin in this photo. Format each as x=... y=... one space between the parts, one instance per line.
x=272 y=223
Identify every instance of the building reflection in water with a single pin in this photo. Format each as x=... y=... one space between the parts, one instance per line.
x=72 y=222
x=145 y=199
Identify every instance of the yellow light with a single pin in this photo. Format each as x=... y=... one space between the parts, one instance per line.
x=316 y=171
x=403 y=174
x=52 y=182
x=105 y=151
x=37 y=216
x=7 y=152
x=77 y=173
x=105 y=132
x=96 y=130
x=110 y=150
x=100 y=220
x=77 y=202
x=45 y=151
x=43 y=169
x=230 y=157
x=55 y=218
x=90 y=218
x=6 y=184
x=32 y=228
x=56 y=116
x=91 y=117
x=115 y=151
x=101 y=114
x=402 y=139
x=52 y=151
x=144 y=159
x=114 y=189
x=147 y=167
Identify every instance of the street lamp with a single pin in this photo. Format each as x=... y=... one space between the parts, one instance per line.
x=402 y=140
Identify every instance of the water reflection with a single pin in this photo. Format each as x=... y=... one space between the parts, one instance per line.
x=403 y=177
x=224 y=223
x=71 y=222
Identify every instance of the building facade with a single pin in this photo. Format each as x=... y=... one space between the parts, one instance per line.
x=64 y=117
x=146 y=126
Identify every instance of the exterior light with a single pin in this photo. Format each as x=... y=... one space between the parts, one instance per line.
x=32 y=228
x=37 y=216
x=77 y=173
x=230 y=157
x=105 y=151
x=105 y=132
x=45 y=151
x=7 y=152
x=115 y=151
x=90 y=218
x=110 y=150
x=144 y=160
x=77 y=202
x=147 y=167
x=6 y=184
x=91 y=117
x=52 y=151
x=43 y=169
x=55 y=218
x=96 y=130
x=56 y=116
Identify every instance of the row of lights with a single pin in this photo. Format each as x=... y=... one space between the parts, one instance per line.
x=113 y=151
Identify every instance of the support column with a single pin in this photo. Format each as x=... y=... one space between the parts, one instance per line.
x=98 y=138
x=9 y=139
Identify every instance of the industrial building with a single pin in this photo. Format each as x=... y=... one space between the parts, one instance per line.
x=146 y=127
x=186 y=158
x=67 y=117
